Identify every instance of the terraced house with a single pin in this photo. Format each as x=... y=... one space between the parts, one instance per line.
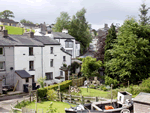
x=25 y=58
x=8 y=22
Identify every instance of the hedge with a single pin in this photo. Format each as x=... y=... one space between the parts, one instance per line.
x=79 y=81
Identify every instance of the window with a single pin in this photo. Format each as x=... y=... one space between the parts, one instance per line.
x=61 y=73
x=69 y=44
x=27 y=80
x=1 y=65
x=30 y=50
x=69 y=51
x=32 y=78
x=51 y=63
x=76 y=46
x=51 y=50
x=31 y=65
x=64 y=58
x=1 y=51
x=49 y=76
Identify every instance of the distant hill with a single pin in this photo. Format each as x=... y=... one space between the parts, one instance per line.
x=15 y=30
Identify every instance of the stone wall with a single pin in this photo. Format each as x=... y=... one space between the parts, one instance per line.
x=141 y=108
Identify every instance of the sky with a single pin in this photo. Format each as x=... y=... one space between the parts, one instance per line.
x=98 y=12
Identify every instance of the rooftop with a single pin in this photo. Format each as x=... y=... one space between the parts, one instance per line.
x=143 y=97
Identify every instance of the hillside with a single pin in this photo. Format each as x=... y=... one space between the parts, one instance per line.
x=15 y=30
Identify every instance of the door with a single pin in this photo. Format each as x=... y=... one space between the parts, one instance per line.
x=66 y=75
x=32 y=78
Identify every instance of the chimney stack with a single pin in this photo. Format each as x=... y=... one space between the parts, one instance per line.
x=106 y=25
x=5 y=33
x=31 y=34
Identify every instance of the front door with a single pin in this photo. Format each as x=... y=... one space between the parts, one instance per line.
x=66 y=75
x=32 y=78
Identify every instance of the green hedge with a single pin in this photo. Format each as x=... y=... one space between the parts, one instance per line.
x=42 y=92
x=79 y=81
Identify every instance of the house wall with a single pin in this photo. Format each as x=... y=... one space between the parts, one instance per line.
x=21 y=82
x=8 y=57
x=22 y=59
x=141 y=108
x=77 y=48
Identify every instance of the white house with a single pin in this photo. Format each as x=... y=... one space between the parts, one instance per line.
x=25 y=58
x=67 y=41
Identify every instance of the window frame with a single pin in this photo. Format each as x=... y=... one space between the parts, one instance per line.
x=31 y=53
x=3 y=66
x=50 y=74
x=27 y=80
x=64 y=58
x=51 y=62
x=68 y=44
x=32 y=66
x=61 y=73
x=2 y=50
x=51 y=50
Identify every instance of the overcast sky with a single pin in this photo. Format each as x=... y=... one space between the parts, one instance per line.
x=98 y=13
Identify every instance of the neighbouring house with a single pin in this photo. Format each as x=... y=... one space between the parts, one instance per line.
x=25 y=58
x=142 y=103
x=67 y=41
x=8 y=22
x=27 y=25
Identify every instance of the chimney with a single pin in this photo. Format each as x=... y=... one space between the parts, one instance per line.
x=31 y=34
x=106 y=26
x=5 y=33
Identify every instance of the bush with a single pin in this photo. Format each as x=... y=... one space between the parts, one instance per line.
x=81 y=59
x=92 y=86
x=109 y=81
x=104 y=89
x=51 y=95
x=145 y=85
x=42 y=92
x=22 y=104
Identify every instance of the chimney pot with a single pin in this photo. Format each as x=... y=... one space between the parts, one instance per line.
x=5 y=33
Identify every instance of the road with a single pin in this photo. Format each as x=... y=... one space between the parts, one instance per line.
x=7 y=100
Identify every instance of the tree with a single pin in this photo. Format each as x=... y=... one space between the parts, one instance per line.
x=111 y=36
x=61 y=22
x=74 y=66
x=130 y=53
x=41 y=81
x=143 y=18
x=90 y=66
x=79 y=29
x=26 y=21
x=6 y=14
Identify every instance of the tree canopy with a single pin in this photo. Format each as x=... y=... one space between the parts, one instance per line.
x=130 y=53
x=6 y=14
x=90 y=66
x=26 y=21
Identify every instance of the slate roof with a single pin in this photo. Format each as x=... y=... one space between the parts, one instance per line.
x=46 y=40
x=63 y=50
x=143 y=98
x=23 y=73
x=30 y=25
x=19 y=40
x=68 y=40
x=8 y=21
x=62 y=35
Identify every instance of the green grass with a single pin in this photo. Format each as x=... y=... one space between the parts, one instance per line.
x=15 y=30
x=93 y=92
x=44 y=105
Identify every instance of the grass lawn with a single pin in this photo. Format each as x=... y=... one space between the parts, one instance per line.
x=93 y=92
x=44 y=105
x=15 y=30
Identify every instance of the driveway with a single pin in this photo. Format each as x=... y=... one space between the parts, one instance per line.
x=7 y=100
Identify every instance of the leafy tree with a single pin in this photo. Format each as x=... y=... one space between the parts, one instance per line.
x=41 y=81
x=111 y=36
x=143 y=18
x=26 y=21
x=61 y=22
x=90 y=66
x=130 y=53
x=79 y=29
x=6 y=14
x=74 y=66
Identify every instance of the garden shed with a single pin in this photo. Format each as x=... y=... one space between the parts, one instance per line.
x=142 y=103
x=22 y=80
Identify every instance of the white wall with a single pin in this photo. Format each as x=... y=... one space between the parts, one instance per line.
x=22 y=59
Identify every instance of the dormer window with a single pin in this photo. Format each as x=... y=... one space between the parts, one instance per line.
x=68 y=43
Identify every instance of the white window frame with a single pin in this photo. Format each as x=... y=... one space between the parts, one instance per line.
x=3 y=65
x=61 y=73
x=51 y=62
x=51 y=50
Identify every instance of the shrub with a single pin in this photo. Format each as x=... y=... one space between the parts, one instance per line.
x=42 y=92
x=41 y=81
x=145 y=85
x=51 y=95
x=109 y=81
x=104 y=89
x=81 y=59
x=22 y=104
x=51 y=109
x=64 y=65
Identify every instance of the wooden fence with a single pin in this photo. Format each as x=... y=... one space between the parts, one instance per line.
x=78 y=82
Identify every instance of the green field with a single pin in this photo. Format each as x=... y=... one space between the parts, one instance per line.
x=93 y=92
x=15 y=30
x=44 y=105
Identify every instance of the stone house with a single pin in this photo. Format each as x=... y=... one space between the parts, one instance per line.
x=8 y=22
x=26 y=57
x=142 y=103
